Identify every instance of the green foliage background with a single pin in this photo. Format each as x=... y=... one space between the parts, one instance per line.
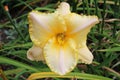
x=103 y=40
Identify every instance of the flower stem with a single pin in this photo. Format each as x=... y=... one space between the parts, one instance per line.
x=5 y=8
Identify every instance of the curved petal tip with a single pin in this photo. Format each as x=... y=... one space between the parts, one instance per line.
x=63 y=9
x=85 y=56
x=35 y=54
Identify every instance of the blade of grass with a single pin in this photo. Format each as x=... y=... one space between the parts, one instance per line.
x=93 y=9
x=74 y=5
x=87 y=6
x=17 y=46
x=110 y=50
x=96 y=11
x=44 y=8
x=13 y=71
x=25 y=4
x=19 y=74
x=107 y=68
x=114 y=27
x=83 y=6
x=103 y=16
x=108 y=2
x=5 y=60
x=119 y=7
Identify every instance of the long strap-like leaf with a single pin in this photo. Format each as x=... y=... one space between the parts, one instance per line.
x=69 y=75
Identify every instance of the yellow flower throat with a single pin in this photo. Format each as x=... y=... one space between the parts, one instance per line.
x=60 y=38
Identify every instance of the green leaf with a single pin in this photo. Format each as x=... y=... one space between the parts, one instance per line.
x=69 y=75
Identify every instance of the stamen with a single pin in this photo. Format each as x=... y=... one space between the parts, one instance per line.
x=60 y=38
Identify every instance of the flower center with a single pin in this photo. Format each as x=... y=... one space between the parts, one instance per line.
x=60 y=38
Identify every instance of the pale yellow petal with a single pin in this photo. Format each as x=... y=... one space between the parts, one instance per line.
x=61 y=58
x=81 y=37
x=85 y=56
x=63 y=8
x=42 y=26
x=35 y=54
x=76 y=23
x=78 y=27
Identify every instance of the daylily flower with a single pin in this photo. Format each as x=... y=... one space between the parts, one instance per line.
x=59 y=38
